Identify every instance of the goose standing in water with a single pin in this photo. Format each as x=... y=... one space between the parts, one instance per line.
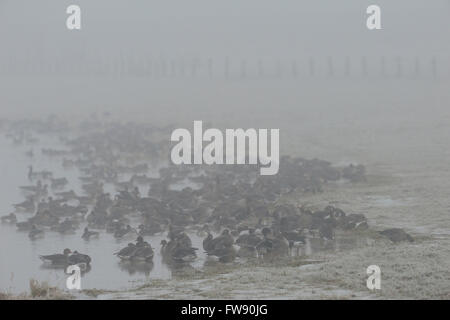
x=296 y=240
x=221 y=247
x=247 y=244
x=127 y=252
x=141 y=251
x=27 y=205
x=128 y=231
x=24 y=225
x=224 y=240
x=35 y=233
x=183 y=254
x=179 y=249
x=207 y=242
x=58 y=183
x=39 y=190
x=38 y=175
x=10 y=218
x=204 y=230
x=144 y=251
x=79 y=259
x=87 y=234
x=272 y=245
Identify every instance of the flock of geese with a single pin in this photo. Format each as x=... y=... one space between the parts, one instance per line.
x=236 y=211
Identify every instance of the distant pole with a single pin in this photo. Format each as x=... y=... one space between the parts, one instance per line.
x=347 y=66
x=364 y=66
x=330 y=67
x=416 y=67
x=260 y=69
x=434 y=67
x=163 y=67
x=226 y=67
x=182 y=67
x=279 y=69
x=243 y=69
x=311 y=66
x=383 y=66
x=194 y=65
x=399 y=67
x=210 y=68
x=294 y=69
x=173 y=68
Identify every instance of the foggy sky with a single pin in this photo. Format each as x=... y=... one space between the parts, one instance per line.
x=235 y=27
x=33 y=32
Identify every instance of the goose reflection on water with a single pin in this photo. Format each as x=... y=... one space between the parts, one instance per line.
x=136 y=267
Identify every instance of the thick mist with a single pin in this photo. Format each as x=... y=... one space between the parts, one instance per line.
x=217 y=56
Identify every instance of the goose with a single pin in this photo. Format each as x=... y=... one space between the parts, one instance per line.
x=178 y=250
x=167 y=248
x=224 y=240
x=35 y=233
x=272 y=245
x=144 y=252
x=149 y=230
x=58 y=183
x=143 y=179
x=87 y=234
x=113 y=225
x=57 y=259
x=396 y=235
x=183 y=254
x=296 y=240
x=220 y=247
x=207 y=242
x=182 y=239
x=41 y=174
x=251 y=239
x=65 y=227
x=127 y=252
x=93 y=188
x=281 y=245
x=326 y=231
x=203 y=231
x=128 y=231
x=124 y=186
x=10 y=218
x=38 y=190
x=35 y=188
x=24 y=225
x=67 y=163
x=163 y=249
x=136 y=193
x=67 y=195
x=83 y=200
x=27 y=205
x=223 y=254
x=247 y=252
x=79 y=258
x=354 y=221
x=247 y=244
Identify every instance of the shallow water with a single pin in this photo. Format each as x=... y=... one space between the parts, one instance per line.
x=19 y=256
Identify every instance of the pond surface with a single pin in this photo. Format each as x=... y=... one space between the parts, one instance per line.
x=19 y=256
